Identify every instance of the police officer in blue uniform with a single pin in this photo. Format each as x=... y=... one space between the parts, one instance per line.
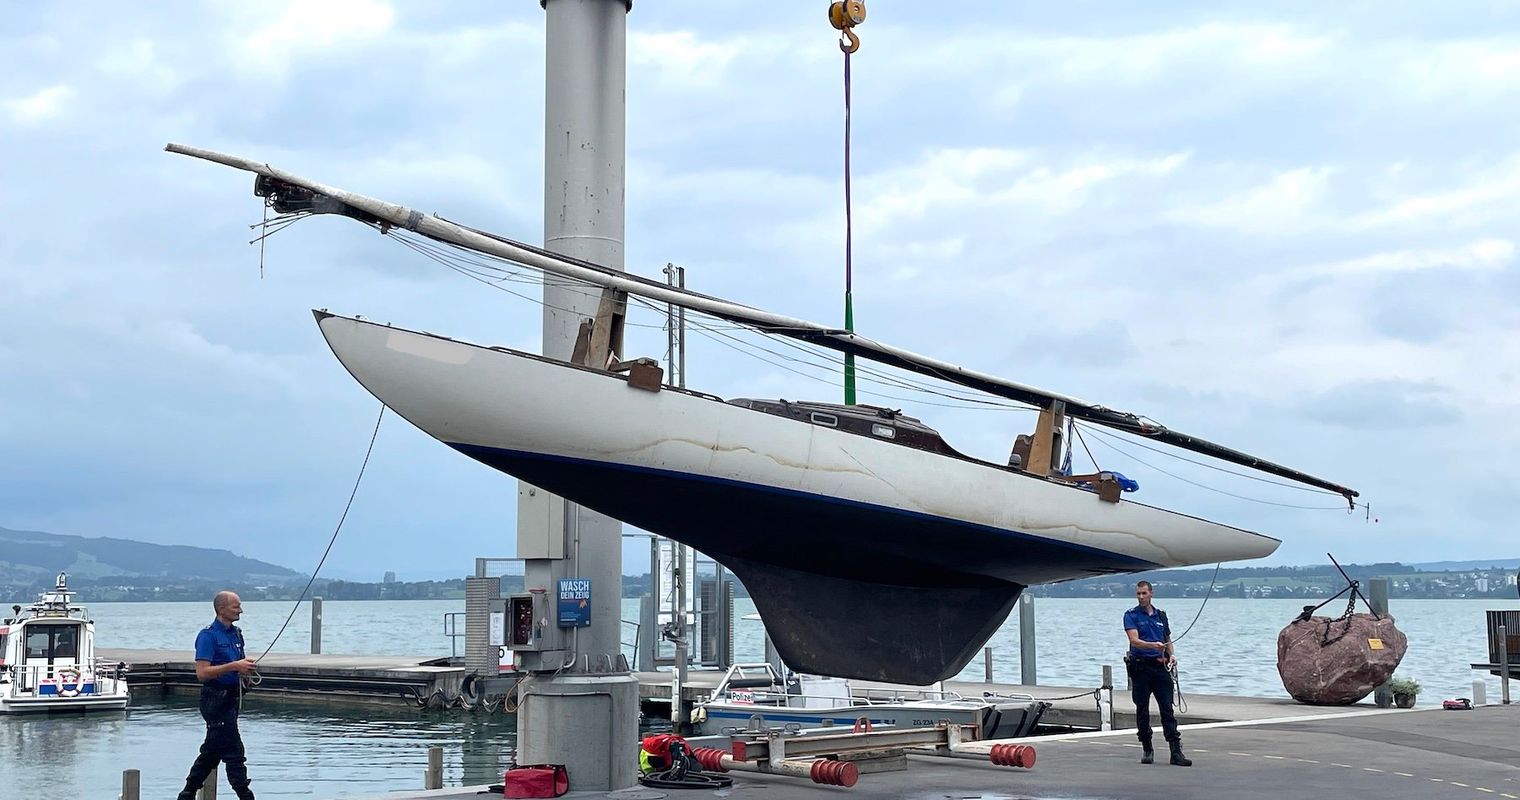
x=1150 y=662
x=219 y=664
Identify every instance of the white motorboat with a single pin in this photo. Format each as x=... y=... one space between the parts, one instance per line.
x=47 y=659
x=753 y=697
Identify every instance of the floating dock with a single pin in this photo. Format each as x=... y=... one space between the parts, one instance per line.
x=341 y=679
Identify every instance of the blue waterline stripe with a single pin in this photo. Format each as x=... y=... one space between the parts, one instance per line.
x=472 y=449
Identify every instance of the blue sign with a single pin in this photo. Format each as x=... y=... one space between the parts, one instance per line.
x=574 y=602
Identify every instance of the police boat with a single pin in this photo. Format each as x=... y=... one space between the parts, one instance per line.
x=48 y=663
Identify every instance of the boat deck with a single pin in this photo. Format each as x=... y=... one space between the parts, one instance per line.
x=1421 y=754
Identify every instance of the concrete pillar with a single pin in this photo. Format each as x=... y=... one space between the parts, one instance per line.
x=1479 y=692
x=1026 y=641
x=987 y=665
x=1377 y=597
x=316 y=625
x=131 y=784
x=208 y=789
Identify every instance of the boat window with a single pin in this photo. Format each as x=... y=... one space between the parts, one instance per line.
x=38 y=643
x=47 y=642
x=884 y=431
x=66 y=642
x=825 y=419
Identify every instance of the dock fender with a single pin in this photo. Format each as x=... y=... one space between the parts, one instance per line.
x=469 y=690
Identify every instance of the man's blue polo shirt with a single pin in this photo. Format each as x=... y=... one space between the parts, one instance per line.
x=220 y=643
x=1151 y=627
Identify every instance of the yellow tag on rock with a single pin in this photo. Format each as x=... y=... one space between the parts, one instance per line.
x=1375 y=644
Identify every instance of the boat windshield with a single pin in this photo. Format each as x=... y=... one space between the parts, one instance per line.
x=51 y=642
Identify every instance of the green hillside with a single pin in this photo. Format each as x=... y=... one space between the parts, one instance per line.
x=33 y=558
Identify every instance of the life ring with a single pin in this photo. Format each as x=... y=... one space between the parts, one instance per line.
x=63 y=680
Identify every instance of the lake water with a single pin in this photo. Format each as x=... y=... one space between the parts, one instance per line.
x=302 y=751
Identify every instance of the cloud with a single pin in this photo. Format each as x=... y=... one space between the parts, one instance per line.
x=1383 y=405
x=301 y=29
x=1249 y=223
x=44 y=105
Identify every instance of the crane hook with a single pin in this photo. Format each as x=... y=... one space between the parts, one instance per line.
x=848 y=41
x=844 y=15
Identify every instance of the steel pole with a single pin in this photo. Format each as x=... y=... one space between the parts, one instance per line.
x=582 y=708
x=1377 y=597
x=316 y=625
x=1026 y=641
x=1503 y=665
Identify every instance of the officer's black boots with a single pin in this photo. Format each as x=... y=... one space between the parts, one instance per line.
x=1178 y=759
x=1149 y=756
x=243 y=792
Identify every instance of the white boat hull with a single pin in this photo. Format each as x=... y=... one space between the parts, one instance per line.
x=786 y=504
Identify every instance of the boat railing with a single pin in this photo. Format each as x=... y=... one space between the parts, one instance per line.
x=451 y=629
x=635 y=643
x=72 y=679
x=871 y=695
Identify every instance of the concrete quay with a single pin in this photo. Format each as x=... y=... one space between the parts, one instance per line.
x=1067 y=710
x=1420 y=754
x=401 y=680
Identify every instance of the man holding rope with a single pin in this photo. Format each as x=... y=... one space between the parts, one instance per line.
x=1150 y=662
x=220 y=664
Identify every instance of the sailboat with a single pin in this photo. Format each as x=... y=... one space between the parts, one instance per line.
x=872 y=547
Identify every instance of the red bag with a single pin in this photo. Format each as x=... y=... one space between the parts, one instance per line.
x=536 y=780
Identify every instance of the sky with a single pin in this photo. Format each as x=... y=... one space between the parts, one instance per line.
x=1289 y=228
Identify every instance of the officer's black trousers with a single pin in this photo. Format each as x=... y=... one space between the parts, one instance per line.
x=1147 y=677
x=219 y=707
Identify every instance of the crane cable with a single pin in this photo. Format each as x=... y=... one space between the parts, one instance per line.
x=844 y=15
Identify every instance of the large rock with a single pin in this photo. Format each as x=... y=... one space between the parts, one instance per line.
x=1332 y=662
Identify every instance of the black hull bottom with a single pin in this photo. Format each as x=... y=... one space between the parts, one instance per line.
x=854 y=629
x=846 y=589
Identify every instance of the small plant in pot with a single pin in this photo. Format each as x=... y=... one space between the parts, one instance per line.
x=1404 y=691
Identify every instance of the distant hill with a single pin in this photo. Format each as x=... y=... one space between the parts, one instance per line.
x=30 y=557
x=1453 y=566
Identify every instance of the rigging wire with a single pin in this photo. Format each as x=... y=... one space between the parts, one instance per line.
x=439 y=252
x=1218 y=468
x=474 y=265
x=1133 y=457
x=1206 y=597
x=486 y=268
x=330 y=542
